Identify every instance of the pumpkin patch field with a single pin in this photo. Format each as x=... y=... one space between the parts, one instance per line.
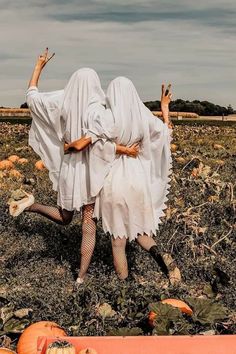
x=39 y=260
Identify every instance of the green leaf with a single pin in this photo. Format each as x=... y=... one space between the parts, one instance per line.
x=206 y=311
x=6 y=313
x=105 y=310
x=15 y=325
x=165 y=311
x=162 y=327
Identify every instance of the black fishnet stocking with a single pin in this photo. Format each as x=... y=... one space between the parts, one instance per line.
x=88 y=239
x=119 y=257
x=56 y=214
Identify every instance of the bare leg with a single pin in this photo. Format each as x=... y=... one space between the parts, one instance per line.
x=56 y=214
x=146 y=242
x=119 y=257
x=88 y=239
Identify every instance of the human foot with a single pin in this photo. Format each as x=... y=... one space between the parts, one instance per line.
x=173 y=271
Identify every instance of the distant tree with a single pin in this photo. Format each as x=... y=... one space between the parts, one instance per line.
x=230 y=109
x=202 y=108
x=24 y=105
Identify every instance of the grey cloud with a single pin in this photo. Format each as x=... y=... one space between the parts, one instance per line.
x=191 y=44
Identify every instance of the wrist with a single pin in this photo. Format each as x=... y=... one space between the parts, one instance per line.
x=38 y=67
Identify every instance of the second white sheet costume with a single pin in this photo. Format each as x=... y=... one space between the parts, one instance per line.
x=134 y=193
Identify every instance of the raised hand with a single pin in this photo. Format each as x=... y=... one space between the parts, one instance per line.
x=166 y=95
x=44 y=58
x=165 y=101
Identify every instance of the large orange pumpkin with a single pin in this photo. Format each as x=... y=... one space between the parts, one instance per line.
x=28 y=340
x=6 y=351
x=6 y=165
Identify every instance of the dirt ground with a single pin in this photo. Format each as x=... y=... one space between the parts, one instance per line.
x=39 y=260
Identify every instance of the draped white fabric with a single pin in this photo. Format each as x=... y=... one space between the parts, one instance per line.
x=61 y=116
x=45 y=135
x=134 y=193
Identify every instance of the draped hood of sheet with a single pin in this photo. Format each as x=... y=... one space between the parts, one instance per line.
x=60 y=116
x=133 y=197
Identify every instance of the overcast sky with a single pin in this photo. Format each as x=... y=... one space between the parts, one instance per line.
x=189 y=43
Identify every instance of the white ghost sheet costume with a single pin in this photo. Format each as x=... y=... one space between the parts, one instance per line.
x=60 y=116
x=135 y=190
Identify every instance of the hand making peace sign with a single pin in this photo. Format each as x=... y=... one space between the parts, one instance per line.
x=44 y=58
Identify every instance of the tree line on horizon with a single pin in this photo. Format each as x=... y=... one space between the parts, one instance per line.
x=202 y=108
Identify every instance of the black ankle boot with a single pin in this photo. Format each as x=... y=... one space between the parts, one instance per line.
x=159 y=259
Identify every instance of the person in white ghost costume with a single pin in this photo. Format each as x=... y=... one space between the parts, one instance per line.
x=133 y=196
x=58 y=118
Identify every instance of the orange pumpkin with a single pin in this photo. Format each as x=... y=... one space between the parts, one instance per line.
x=88 y=351
x=23 y=161
x=39 y=165
x=13 y=158
x=6 y=165
x=184 y=308
x=6 y=351
x=27 y=343
x=15 y=173
x=179 y=304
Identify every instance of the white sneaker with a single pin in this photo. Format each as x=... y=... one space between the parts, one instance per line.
x=17 y=207
x=78 y=282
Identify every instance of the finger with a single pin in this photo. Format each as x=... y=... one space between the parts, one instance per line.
x=50 y=57
x=46 y=52
x=162 y=89
x=136 y=145
x=168 y=90
x=170 y=95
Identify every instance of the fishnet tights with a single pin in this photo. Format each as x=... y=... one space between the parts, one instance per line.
x=119 y=257
x=58 y=215
x=64 y=217
x=88 y=239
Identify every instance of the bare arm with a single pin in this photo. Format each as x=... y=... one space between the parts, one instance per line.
x=165 y=101
x=77 y=145
x=82 y=143
x=41 y=62
x=131 y=151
